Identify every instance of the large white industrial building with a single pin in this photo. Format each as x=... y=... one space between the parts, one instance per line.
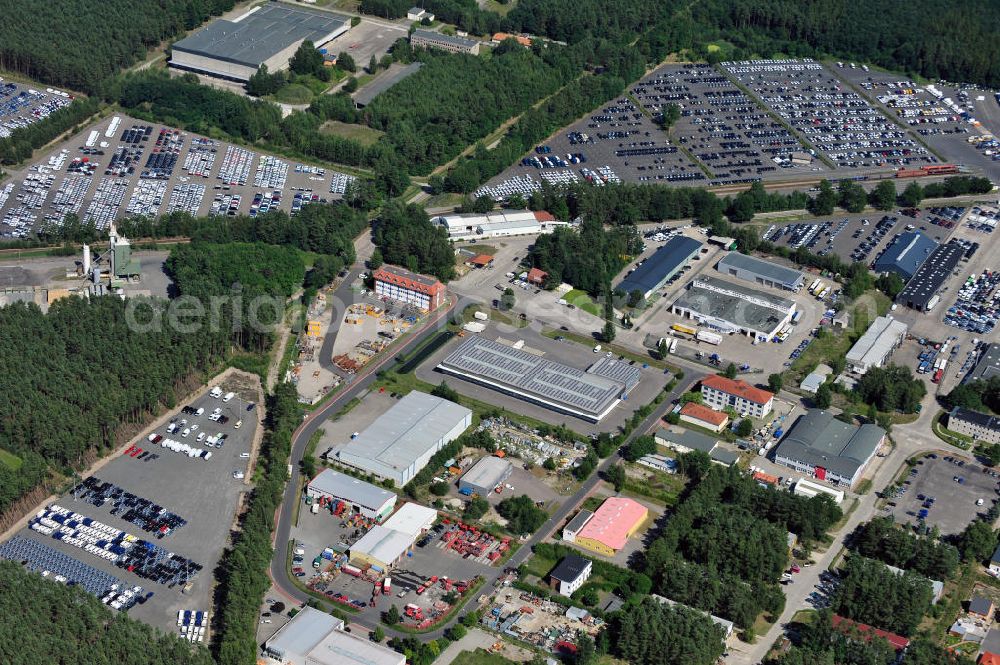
x=402 y=440
x=883 y=336
x=475 y=226
x=266 y=35
x=731 y=307
x=316 y=638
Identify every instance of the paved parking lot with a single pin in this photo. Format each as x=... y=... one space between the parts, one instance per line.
x=955 y=485
x=834 y=119
x=724 y=129
x=123 y=166
x=23 y=105
x=201 y=492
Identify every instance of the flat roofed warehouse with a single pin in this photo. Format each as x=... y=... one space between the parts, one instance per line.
x=732 y=307
x=412 y=519
x=664 y=263
x=829 y=449
x=931 y=276
x=381 y=548
x=266 y=35
x=445 y=42
x=298 y=637
x=759 y=271
x=988 y=365
x=402 y=440
x=486 y=474
x=590 y=395
x=613 y=523
x=905 y=254
x=370 y=500
x=883 y=336
x=316 y=638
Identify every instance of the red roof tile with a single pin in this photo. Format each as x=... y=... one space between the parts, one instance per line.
x=738 y=388
x=481 y=260
x=898 y=642
x=408 y=280
x=704 y=413
x=536 y=276
x=989 y=658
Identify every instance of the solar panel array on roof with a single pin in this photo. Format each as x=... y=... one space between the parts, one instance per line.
x=616 y=370
x=530 y=377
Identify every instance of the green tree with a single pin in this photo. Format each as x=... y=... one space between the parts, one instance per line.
x=883 y=197
x=851 y=196
x=475 y=509
x=912 y=195
x=507 y=299
x=823 y=203
x=346 y=62
x=640 y=446
x=730 y=371
x=439 y=488
x=444 y=391
x=744 y=428
x=522 y=515
x=824 y=397
x=977 y=542
x=691 y=396
x=775 y=382
x=483 y=204
x=378 y=635
x=670 y=114
x=549 y=464
x=616 y=476
x=392 y=616
x=350 y=85
x=662 y=348
x=608 y=333
x=586 y=652
x=307 y=59
x=372 y=65
x=890 y=284
x=635 y=298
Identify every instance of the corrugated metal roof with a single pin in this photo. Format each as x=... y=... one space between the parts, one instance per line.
x=905 y=254
x=881 y=337
x=488 y=472
x=299 y=636
x=659 y=267
x=818 y=439
x=772 y=271
x=347 y=487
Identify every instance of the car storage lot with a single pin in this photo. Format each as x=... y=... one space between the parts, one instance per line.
x=122 y=166
x=833 y=118
x=850 y=237
x=202 y=492
x=724 y=129
x=954 y=484
x=23 y=105
x=942 y=116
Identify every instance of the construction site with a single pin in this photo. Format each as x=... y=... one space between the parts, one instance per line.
x=306 y=372
x=367 y=329
x=539 y=622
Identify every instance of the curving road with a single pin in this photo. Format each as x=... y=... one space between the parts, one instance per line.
x=282 y=532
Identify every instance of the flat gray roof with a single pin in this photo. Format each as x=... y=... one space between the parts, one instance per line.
x=299 y=636
x=526 y=375
x=347 y=487
x=432 y=36
x=881 y=337
x=688 y=439
x=570 y=568
x=578 y=521
x=772 y=271
x=737 y=304
x=401 y=435
x=988 y=365
x=488 y=472
x=261 y=34
x=395 y=74
x=661 y=265
x=820 y=440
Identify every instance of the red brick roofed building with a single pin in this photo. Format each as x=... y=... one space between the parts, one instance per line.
x=536 y=276
x=400 y=284
x=480 y=260
x=718 y=392
x=696 y=414
x=989 y=658
x=848 y=627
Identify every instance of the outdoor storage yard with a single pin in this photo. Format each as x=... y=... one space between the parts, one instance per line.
x=944 y=492
x=122 y=166
x=537 y=621
x=182 y=505
x=22 y=105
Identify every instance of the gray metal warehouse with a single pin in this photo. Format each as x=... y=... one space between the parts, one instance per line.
x=266 y=35
x=665 y=262
x=759 y=271
x=403 y=439
x=731 y=307
x=485 y=475
x=590 y=394
x=921 y=291
x=370 y=500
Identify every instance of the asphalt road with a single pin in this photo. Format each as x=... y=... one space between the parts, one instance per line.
x=278 y=571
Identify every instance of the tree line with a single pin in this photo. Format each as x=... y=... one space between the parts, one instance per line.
x=725 y=547
x=57 y=623
x=882 y=539
x=871 y=593
x=80 y=43
x=23 y=141
x=406 y=237
x=588 y=259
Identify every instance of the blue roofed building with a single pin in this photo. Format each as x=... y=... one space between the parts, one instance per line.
x=664 y=263
x=905 y=254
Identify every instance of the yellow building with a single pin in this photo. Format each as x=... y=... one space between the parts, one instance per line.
x=607 y=532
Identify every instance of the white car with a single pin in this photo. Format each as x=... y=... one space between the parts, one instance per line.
x=201 y=437
x=185 y=432
x=200 y=411
x=244 y=455
x=238 y=424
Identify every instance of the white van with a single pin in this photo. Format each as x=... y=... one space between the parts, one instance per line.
x=228 y=397
x=216 y=392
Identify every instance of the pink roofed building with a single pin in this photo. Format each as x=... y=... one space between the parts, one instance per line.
x=612 y=525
